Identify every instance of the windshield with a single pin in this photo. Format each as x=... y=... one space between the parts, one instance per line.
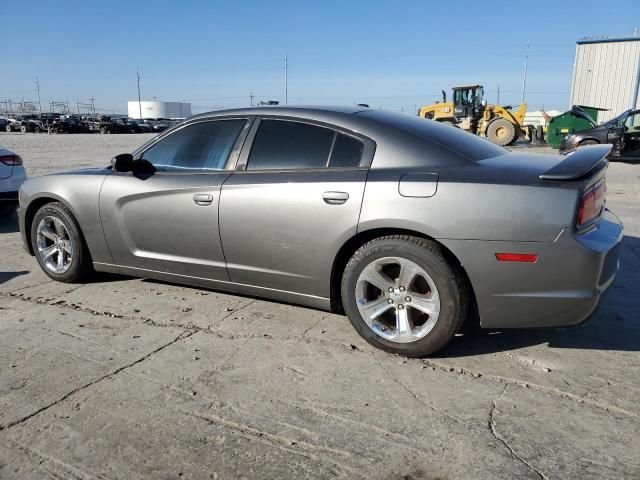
x=619 y=120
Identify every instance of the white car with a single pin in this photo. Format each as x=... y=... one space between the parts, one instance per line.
x=12 y=175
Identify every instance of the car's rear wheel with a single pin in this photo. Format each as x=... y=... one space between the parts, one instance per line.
x=403 y=296
x=58 y=244
x=8 y=128
x=23 y=129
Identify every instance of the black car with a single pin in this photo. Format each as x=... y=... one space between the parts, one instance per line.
x=105 y=124
x=623 y=132
x=24 y=124
x=137 y=126
x=68 y=124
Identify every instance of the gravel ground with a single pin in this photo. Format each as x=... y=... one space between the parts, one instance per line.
x=130 y=378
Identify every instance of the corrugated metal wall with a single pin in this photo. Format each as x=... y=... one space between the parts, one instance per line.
x=604 y=74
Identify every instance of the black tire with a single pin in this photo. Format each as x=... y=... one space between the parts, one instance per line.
x=23 y=129
x=8 y=128
x=37 y=130
x=81 y=264
x=588 y=142
x=501 y=132
x=451 y=285
x=539 y=135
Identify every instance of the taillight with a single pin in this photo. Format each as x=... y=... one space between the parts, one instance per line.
x=591 y=204
x=11 y=159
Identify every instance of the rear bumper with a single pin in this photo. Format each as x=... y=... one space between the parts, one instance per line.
x=562 y=288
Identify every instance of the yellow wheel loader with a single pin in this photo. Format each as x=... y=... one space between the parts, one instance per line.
x=469 y=111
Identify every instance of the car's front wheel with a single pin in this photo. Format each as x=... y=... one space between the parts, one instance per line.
x=58 y=244
x=403 y=296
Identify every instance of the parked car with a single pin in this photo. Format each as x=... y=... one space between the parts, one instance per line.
x=138 y=126
x=24 y=124
x=12 y=175
x=105 y=125
x=159 y=125
x=409 y=226
x=68 y=124
x=622 y=132
x=3 y=123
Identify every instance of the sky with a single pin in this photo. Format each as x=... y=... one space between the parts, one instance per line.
x=394 y=55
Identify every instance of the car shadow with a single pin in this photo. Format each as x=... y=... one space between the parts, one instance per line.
x=615 y=325
x=9 y=224
x=6 y=276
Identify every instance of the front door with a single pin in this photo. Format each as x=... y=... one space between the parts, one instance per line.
x=632 y=135
x=286 y=212
x=167 y=221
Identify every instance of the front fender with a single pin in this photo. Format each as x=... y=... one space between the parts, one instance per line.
x=80 y=192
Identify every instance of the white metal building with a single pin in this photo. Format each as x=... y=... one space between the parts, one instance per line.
x=157 y=109
x=605 y=74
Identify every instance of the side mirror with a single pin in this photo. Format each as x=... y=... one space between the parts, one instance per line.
x=122 y=162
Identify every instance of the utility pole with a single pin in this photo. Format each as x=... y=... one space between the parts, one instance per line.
x=139 y=100
x=286 y=86
x=93 y=106
x=251 y=96
x=524 y=78
x=38 y=90
x=498 y=101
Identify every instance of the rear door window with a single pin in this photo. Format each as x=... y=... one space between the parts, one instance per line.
x=285 y=145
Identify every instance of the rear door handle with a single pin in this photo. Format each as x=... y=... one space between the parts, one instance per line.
x=335 y=198
x=203 y=199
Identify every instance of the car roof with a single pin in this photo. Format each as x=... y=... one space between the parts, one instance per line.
x=308 y=111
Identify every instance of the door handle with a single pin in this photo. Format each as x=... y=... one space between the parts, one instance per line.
x=335 y=198
x=203 y=199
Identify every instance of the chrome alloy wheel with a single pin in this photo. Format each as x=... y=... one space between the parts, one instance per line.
x=55 y=246
x=397 y=299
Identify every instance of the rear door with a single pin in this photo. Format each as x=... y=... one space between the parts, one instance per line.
x=293 y=200
x=167 y=220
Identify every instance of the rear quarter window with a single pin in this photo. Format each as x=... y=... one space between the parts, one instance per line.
x=464 y=144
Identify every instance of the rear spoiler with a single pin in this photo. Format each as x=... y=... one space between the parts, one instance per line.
x=578 y=163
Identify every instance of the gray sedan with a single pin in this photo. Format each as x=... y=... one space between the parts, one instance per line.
x=410 y=227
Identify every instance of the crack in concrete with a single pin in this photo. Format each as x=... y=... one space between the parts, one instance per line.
x=442 y=367
x=554 y=392
x=491 y=425
x=281 y=442
x=427 y=404
x=304 y=333
x=28 y=286
x=184 y=334
x=418 y=398
x=67 y=469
